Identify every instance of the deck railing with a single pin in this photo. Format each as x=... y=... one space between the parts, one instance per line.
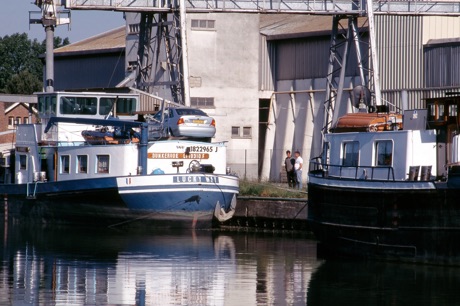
x=318 y=168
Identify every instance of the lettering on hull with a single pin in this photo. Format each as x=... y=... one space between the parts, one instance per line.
x=195 y=179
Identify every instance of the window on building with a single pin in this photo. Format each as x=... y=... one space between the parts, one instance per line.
x=134 y=28
x=26 y=120
x=350 y=154
x=202 y=102
x=247 y=132
x=65 y=164
x=235 y=131
x=384 y=153
x=23 y=162
x=82 y=163
x=198 y=24
x=103 y=163
x=18 y=120
x=11 y=122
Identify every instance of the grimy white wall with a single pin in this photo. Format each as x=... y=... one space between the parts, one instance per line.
x=296 y=122
x=223 y=64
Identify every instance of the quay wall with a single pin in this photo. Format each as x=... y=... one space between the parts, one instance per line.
x=270 y=214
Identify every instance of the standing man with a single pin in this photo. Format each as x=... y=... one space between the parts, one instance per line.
x=289 y=166
x=298 y=169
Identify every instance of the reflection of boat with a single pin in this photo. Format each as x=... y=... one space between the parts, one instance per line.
x=358 y=282
x=95 y=266
x=391 y=192
x=76 y=266
x=81 y=166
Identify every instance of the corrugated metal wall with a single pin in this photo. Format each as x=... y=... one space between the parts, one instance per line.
x=399 y=47
x=308 y=58
x=407 y=67
x=266 y=64
x=442 y=64
x=89 y=71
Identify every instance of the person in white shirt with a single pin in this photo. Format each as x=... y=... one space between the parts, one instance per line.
x=298 y=169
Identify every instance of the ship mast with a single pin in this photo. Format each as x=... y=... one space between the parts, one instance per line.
x=52 y=15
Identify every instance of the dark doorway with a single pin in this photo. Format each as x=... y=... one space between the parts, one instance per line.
x=264 y=111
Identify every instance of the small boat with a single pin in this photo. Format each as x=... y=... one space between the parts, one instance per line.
x=387 y=185
x=90 y=161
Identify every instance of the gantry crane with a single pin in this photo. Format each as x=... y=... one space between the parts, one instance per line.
x=168 y=16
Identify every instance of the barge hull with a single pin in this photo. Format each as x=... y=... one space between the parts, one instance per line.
x=404 y=224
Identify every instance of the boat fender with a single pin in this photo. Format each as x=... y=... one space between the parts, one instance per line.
x=221 y=214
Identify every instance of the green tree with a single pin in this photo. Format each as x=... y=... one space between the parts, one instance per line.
x=19 y=54
x=23 y=83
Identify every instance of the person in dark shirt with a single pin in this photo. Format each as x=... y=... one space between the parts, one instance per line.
x=289 y=167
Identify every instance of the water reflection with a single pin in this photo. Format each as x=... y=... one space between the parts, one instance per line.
x=383 y=283
x=92 y=267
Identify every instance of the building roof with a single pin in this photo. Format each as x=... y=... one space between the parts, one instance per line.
x=113 y=40
x=287 y=26
x=443 y=42
x=273 y=26
x=284 y=26
x=13 y=98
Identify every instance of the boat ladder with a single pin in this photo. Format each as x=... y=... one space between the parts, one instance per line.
x=31 y=193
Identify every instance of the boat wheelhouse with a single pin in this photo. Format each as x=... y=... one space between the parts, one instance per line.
x=390 y=192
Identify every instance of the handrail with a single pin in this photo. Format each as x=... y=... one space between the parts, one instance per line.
x=318 y=168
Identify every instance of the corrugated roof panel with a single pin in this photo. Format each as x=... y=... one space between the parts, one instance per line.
x=114 y=39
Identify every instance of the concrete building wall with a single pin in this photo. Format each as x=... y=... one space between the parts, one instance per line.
x=223 y=64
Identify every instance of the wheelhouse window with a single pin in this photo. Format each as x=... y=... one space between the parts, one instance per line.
x=325 y=157
x=124 y=106
x=78 y=105
x=65 y=164
x=384 y=153
x=350 y=154
x=47 y=104
x=82 y=164
x=103 y=163
x=23 y=162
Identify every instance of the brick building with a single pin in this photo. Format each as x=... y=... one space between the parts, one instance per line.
x=15 y=110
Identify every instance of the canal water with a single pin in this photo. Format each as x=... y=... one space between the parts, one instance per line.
x=62 y=266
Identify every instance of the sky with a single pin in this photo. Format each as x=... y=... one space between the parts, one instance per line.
x=14 y=18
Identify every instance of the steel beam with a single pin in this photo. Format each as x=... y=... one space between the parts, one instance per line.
x=325 y=7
